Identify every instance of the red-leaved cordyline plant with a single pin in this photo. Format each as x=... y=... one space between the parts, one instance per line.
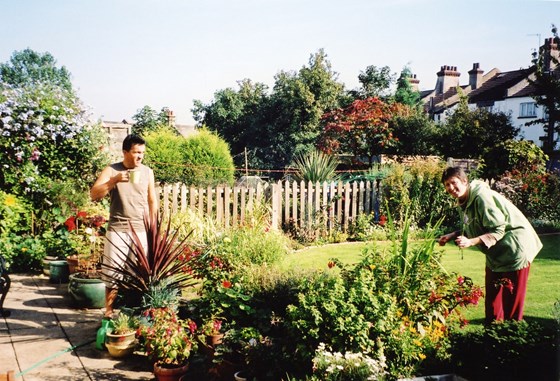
x=162 y=261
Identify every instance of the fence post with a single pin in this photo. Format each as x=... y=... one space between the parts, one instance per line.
x=276 y=195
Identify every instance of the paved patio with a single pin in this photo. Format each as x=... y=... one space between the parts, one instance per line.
x=46 y=339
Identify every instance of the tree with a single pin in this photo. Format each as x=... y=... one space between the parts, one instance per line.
x=375 y=82
x=547 y=86
x=469 y=133
x=361 y=129
x=513 y=155
x=147 y=120
x=405 y=94
x=28 y=67
x=415 y=134
x=238 y=117
x=274 y=128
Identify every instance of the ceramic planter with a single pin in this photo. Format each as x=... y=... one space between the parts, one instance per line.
x=86 y=292
x=120 y=345
x=58 y=271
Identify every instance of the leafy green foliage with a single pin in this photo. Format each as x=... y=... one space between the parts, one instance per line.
x=375 y=83
x=201 y=159
x=519 y=155
x=468 y=133
x=207 y=160
x=398 y=301
x=417 y=189
x=275 y=127
x=149 y=120
x=507 y=350
x=46 y=141
x=28 y=67
x=22 y=253
x=164 y=154
x=405 y=94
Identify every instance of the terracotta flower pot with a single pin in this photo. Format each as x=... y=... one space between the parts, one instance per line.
x=169 y=373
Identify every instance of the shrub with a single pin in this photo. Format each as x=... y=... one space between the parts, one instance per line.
x=207 y=160
x=163 y=154
x=417 y=188
x=508 y=350
x=47 y=138
x=399 y=300
x=22 y=253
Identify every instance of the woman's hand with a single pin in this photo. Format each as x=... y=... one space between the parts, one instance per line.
x=464 y=242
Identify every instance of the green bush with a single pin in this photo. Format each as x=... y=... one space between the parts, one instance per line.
x=47 y=138
x=508 y=350
x=207 y=160
x=22 y=253
x=416 y=189
x=163 y=154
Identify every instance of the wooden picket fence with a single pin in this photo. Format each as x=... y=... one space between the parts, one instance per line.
x=303 y=205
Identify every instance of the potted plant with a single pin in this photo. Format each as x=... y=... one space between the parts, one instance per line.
x=211 y=332
x=121 y=339
x=85 y=230
x=168 y=342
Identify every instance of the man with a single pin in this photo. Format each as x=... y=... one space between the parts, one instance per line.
x=131 y=188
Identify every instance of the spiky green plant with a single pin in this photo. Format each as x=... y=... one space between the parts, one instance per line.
x=315 y=166
x=163 y=261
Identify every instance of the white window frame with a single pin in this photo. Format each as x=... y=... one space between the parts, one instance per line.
x=528 y=110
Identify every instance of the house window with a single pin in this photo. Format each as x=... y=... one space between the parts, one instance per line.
x=528 y=110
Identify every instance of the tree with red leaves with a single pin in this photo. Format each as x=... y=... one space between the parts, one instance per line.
x=361 y=129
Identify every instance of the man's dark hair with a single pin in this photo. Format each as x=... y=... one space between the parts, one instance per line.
x=131 y=140
x=450 y=172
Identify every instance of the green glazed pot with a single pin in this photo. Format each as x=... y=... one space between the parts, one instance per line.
x=86 y=293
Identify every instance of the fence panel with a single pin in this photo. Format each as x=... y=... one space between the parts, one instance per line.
x=325 y=206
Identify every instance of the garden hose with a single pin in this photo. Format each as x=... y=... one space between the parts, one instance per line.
x=53 y=356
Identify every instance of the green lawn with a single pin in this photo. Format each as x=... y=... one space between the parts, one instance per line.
x=542 y=290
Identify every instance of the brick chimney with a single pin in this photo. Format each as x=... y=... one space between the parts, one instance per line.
x=475 y=76
x=448 y=77
x=414 y=83
x=170 y=118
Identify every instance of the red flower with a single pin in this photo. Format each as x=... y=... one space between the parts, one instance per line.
x=70 y=223
x=331 y=264
x=226 y=284
x=460 y=280
x=382 y=220
x=82 y=214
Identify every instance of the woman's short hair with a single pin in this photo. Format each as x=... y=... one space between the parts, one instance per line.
x=450 y=172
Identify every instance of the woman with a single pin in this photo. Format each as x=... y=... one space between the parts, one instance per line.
x=503 y=234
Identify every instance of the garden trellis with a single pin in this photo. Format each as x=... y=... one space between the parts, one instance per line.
x=330 y=205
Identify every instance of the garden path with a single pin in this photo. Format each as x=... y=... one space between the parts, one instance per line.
x=45 y=339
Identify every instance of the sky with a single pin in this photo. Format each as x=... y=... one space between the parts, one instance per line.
x=125 y=54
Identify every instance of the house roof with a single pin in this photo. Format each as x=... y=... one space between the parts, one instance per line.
x=496 y=88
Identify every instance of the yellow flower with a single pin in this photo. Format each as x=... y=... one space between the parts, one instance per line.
x=24 y=249
x=422 y=356
x=372 y=267
x=417 y=342
x=10 y=200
